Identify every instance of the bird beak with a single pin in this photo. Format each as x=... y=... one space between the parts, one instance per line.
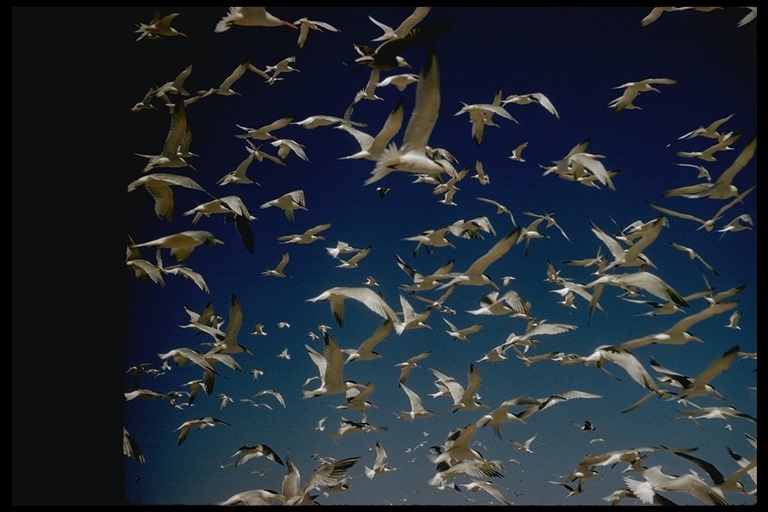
x=289 y=24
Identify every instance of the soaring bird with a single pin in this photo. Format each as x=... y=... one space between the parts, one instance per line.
x=678 y=334
x=475 y=275
x=699 y=385
x=380 y=463
x=250 y=17
x=407 y=366
x=371 y=147
x=532 y=97
x=308 y=237
x=246 y=453
x=255 y=497
x=160 y=26
x=387 y=55
x=228 y=344
x=417 y=407
x=177 y=141
x=279 y=270
x=418 y=14
x=463 y=398
x=632 y=89
x=182 y=244
x=199 y=423
x=305 y=25
x=708 y=224
x=159 y=184
x=365 y=351
x=411 y=156
x=481 y=114
x=709 y=131
x=327 y=474
x=289 y=203
x=330 y=365
x=264 y=132
x=366 y=296
x=688 y=483
x=487 y=486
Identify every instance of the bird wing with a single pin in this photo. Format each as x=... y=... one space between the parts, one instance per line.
x=426 y=108
x=497 y=251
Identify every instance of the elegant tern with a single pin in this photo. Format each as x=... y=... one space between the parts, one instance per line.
x=380 y=465
x=411 y=319
x=371 y=147
x=131 y=448
x=199 y=423
x=308 y=237
x=533 y=97
x=709 y=131
x=708 y=155
x=331 y=367
x=305 y=25
x=678 y=334
x=708 y=224
x=517 y=153
x=417 y=408
x=279 y=270
x=160 y=26
x=250 y=17
x=407 y=366
x=366 y=296
x=365 y=351
x=632 y=89
x=462 y=334
x=463 y=398
x=176 y=146
x=700 y=385
x=254 y=497
x=182 y=244
x=693 y=255
x=264 y=132
x=411 y=156
x=418 y=14
x=246 y=453
x=489 y=487
x=688 y=483
x=733 y=321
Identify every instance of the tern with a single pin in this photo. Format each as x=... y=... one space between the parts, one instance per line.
x=475 y=275
x=341 y=248
x=721 y=413
x=238 y=176
x=254 y=497
x=431 y=238
x=693 y=255
x=199 y=423
x=356 y=399
x=708 y=155
x=287 y=146
x=354 y=260
x=246 y=453
x=228 y=344
x=327 y=474
x=478 y=468
x=279 y=270
x=733 y=321
x=678 y=334
x=719 y=481
x=308 y=237
x=620 y=357
x=371 y=147
x=264 y=132
x=480 y=115
x=176 y=145
x=331 y=366
x=651 y=283
x=365 y=351
x=312 y=122
x=366 y=296
x=225 y=89
x=749 y=17
x=411 y=320
x=489 y=487
x=417 y=408
x=709 y=131
x=284 y=66
x=462 y=334
x=380 y=465
x=418 y=14
x=656 y=12
x=509 y=303
x=411 y=156
x=387 y=55
x=182 y=244
x=500 y=208
x=744 y=462
x=400 y=81
x=688 y=483
x=289 y=203
x=250 y=17
x=305 y=25
x=526 y=446
x=160 y=26
x=517 y=153
x=533 y=97
x=632 y=89
x=700 y=385
x=708 y=224
x=463 y=398
x=501 y=415
x=407 y=366
x=740 y=223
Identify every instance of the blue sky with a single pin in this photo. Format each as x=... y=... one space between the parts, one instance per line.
x=577 y=57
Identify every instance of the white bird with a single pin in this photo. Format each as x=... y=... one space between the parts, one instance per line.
x=651 y=283
x=517 y=153
x=487 y=486
x=264 y=132
x=158 y=185
x=720 y=482
x=254 y=497
x=430 y=239
x=632 y=89
x=744 y=462
x=177 y=141
x=620 y=357
x=526 y=446
x=721 y=413
x=678 y=334
x=246 y=453
x=354 y=260
x=456 y=447
x=740 y=223
x=749 y=17
x=462 y=334
x=407 y=366
x=259 y=330
x=365 y=351
x=417 y=408
x=278 y=396
x=480 y=174
x=341 y=248
x=380 y=465
x=308 y=237
x=238 y=176
x=699 y=385
x=411 y=156
x=199 y=423
x=279 y=270
x=708 y=224
x=284 y=66
x=228 y=344
x=733 y=321
x=655 y=480
x=476 y=275
x=400 y=81
x=411 y=320
x=481 y=115
x=305 y=25
x=500 y=208
x=250 y=17
x=709 y=131
x=418 y=14
x=463 y=398
x=372 y=147
x=533 y=97
x=693 y=255
x=287 y=146
x=366 y=296
x=478 y=468
x=708 y=154
x=312 y=122
x=160 y=26
x=327 y=474
x=331 y=367
x=182 y=244
x=501 y=415
x=289 y=203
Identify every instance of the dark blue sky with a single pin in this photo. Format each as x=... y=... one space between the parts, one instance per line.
x=577 y=57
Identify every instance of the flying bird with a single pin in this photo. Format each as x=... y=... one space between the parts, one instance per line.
x=418 y=14
x=289 y=203
x=517 y=153
x=182 y=244
x=308 y=237
x=407 y=366
x=533 y=97
x=337 y=295
x=160 y=26
x=246 y=453
x=250 y=17
x=279 y=270
x=305 y=25
x=199 y=424
x=632 y=89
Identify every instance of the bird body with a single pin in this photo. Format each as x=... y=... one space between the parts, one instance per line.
x=366 y=296
x=250 y=17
